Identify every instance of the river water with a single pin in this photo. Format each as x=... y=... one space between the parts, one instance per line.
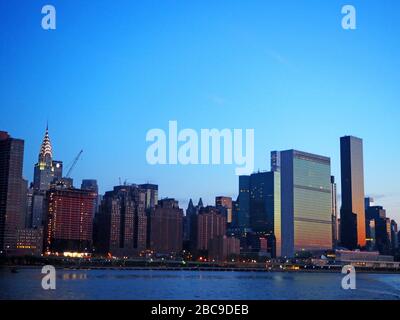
x=153 y=284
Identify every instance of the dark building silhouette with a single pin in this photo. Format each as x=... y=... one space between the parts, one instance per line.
x=190 y=225
x=165 y=227
x=69 y=224
x=222 y=248
x=352 y=213
x=259 y=198
x=393 y=239
x=210 y=223
x=12 y=195
x=90 y=185
x=377 y=228
x=122 y=222
x=190 y=211
x=255 y=246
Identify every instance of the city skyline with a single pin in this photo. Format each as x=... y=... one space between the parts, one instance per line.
x=183 y=202
x=288 y=210
x=300 y=89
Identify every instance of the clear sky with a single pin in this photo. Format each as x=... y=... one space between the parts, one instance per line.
x=112 y=70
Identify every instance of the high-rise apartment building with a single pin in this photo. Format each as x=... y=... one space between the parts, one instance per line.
x=210 y=224
x=70 y=220
x=165 y=227
x=122 y=222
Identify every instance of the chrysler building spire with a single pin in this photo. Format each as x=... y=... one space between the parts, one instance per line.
x=45 y=148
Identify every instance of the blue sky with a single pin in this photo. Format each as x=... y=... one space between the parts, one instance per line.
x=112 y=70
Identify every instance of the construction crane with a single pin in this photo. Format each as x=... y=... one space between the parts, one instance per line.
x=73 y=164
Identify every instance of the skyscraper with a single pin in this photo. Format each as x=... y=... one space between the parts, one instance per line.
x=377 y=227
x=259 y=207
x=352 y=212
x=70 y=220
x=44 y=168
x=210 y=224
x=11 y=192
x=306 y=217
x=264 y=201
x=46 y=171
x=122 y=223
x=165 y=227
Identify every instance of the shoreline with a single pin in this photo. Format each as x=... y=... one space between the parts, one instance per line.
x=15 y=267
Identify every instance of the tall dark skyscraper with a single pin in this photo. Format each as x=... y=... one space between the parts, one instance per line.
x=264 y=201
x=12 y=198
x=259 y=207
x=190 y=223
x=352 y=212
x=306 y=219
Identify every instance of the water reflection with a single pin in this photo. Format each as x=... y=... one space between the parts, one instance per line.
x=74 y=276
x=152 y=284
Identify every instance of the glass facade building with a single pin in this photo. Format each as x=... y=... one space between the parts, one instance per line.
x=306 y=218
x=260 y=205
x=352 y=213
